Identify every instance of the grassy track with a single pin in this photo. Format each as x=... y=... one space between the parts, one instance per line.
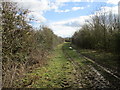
x=66 y=69
x=58 y=73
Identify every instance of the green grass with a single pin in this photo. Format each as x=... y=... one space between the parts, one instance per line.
x=54 y=74
x=109 y=60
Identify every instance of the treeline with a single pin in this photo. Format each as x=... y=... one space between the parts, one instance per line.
x=101 y=32
x=23 y=48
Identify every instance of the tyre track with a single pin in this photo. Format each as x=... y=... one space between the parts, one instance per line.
x=114 y=80
x=87 y=76
x=105 y=69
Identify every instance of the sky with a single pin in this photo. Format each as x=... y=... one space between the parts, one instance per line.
x=65 y=17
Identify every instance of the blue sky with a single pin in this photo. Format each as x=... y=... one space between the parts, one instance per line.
x=65 y=17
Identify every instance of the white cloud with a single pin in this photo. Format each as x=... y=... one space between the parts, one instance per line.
x=36 y=7
x=64 y=31
x=75 y=0
x=67 y=10
x=113 y=9
x=62 y=1
x=77 y=8
x=107 y=9
x=37 y=16
x=68 y=27
x=113 y=1
x=107 y=1
x=76 y=21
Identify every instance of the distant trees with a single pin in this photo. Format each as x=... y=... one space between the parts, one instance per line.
x=22 y=46
x=100 y=32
